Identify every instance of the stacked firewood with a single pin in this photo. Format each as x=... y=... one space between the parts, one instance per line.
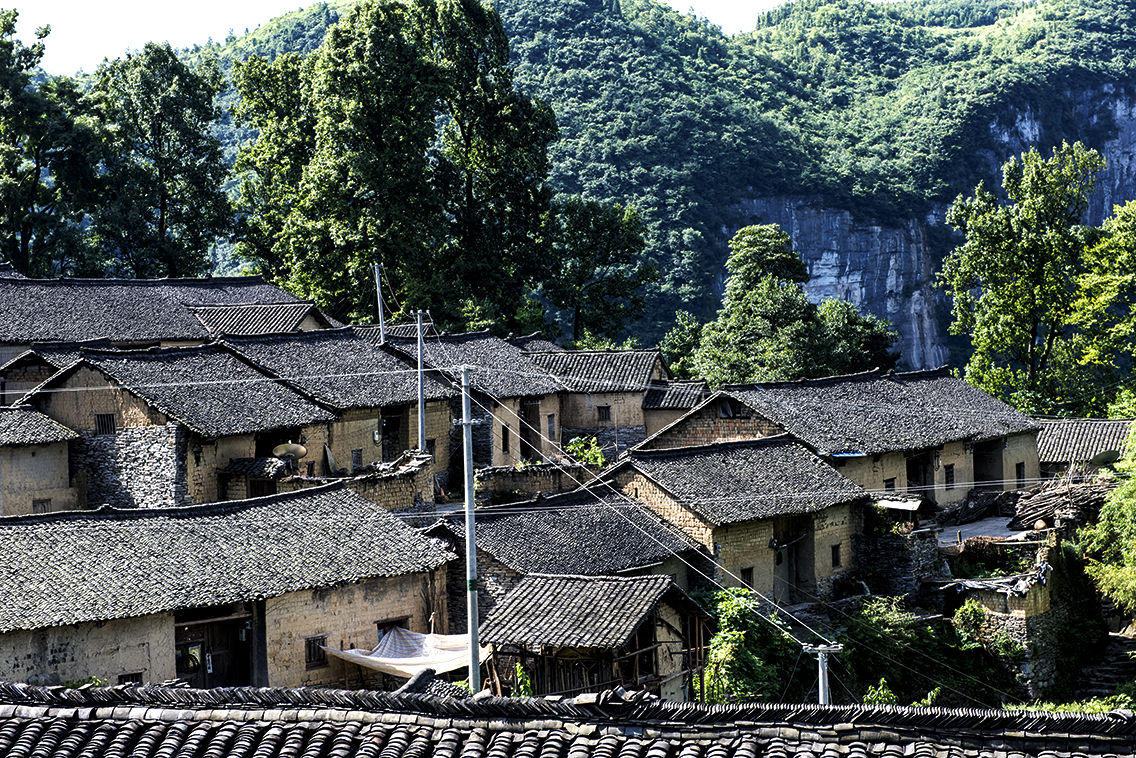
x=1064 y=504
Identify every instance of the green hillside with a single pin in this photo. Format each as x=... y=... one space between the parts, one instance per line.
x=882 y=109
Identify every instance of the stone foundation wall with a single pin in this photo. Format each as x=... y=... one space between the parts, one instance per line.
x=613 y=440
x=509 y=484
x=137 y=467
x=894 y=565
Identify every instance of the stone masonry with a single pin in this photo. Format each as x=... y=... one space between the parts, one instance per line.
x=137 y=467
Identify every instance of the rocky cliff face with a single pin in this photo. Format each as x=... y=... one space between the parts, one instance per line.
x=890 y=269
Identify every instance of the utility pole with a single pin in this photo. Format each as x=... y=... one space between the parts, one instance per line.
x=822 y=652
x=379 y=292
x=421 y=388
x=470 y=538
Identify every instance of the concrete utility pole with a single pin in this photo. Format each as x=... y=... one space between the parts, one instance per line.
x=822 y=652
x=379 y=292
x=470 y=538
x=421 y=388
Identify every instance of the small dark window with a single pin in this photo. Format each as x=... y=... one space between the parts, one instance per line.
x=889 y=484
x=41 y=506
x=780 y=558
x=603 y=413
x=551 y=425
x=728 y=407
x=747 y=577
x=836 y=555
x=1020 y=473
x=356 y=459
x=949 y=476
x=431 y=447
x=384 y=626
x=314 y=654
x=504 y=438
x=311 y=468
x=104 y=423
x=131 y=678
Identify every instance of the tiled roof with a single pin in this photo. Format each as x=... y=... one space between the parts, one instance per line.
x=124 y=310
x=7 y=272
x=874 y=412
x=257 y=318
x=573 y=611
x=583 y=532
x=600 y=370
x=151 y=721
x=260 y=468
x=500 y=368
x=535 y=343
x=88 y=566
x=674 y=395
x=1077 y=440
x=733 y=482
x=405 y=329
x=20 y=425
x=207 y=388
x=426 y=683
x=57 y=354
x=340 y=369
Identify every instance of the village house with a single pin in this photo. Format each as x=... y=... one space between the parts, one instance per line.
x=775 y=517
x=587 y=532
x=39 y=363
x=156 y=427
x=515 y=401
x=574 y=634
x=156 y=722
x=1072 y=444
x=924 y=433
x=237 y=593
x=620 y=397
x=35 y=475
x=372 y=389
x=138 y=313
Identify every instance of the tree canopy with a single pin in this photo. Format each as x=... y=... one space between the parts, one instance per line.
x=767 y=328
x=1045 y=300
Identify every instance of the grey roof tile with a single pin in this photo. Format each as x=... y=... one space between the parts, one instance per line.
x=340 y=368
x=674 y=395
x=573 y=611
x=733 y=482
x=500 y=368
x=601 y=370
x=1077 y=440
x=124 y=310
x=535 y=343
x=261 y=468
x=208 y=388
x=110 y=563
x=7 y=272
x=874 y=412
x=22 y=425
x=57 y=354
x=586 y=532
x=258 y=318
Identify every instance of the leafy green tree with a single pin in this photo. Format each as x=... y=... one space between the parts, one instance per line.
x=162 y=204
x=680 y=345
x=599 y=270
x=769 y=330
x=1110 y=543
x=490 y=164
x=1026 y=289
x=48 y=154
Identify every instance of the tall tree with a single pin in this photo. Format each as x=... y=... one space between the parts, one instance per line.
x=163 y=206
x=769 y=330
x=402 y=142
x=48 y=154
x=1019 y=282
x=599 y=272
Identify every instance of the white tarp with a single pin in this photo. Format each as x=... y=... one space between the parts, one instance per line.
x=404 y=653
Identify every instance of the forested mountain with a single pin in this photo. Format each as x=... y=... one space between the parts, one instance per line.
x=840 y=118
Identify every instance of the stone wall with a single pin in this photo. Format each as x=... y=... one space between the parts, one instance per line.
x=894 y=565
x=347 y=616
x=104 y=649
x=509 y=484
x=705 y=425
x=409 y=486
x=137 y=467
x=614 y=441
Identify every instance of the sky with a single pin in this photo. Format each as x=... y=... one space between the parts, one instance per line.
x=84 y=32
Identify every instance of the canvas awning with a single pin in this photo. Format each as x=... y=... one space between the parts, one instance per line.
x=402 y=652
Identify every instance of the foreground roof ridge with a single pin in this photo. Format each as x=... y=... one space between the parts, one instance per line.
x=783 y=437
x=258 y=278
x=874 y=373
